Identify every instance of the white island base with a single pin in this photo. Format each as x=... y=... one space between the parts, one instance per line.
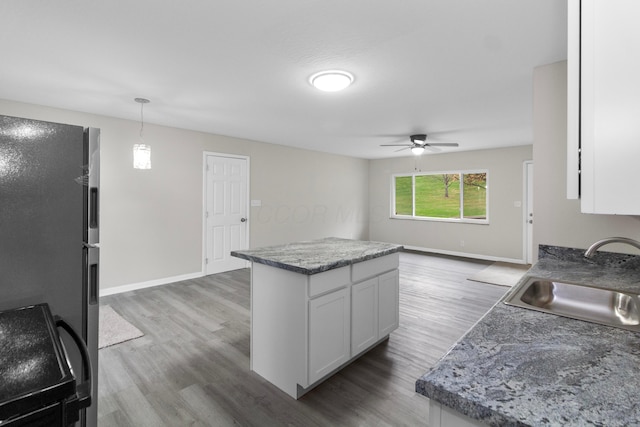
x=443 y=416
x=305 y=327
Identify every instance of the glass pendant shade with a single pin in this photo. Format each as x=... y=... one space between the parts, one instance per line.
x=141 y=156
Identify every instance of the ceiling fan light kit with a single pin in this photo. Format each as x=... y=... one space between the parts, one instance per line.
x=331 y=80
x=417 y=150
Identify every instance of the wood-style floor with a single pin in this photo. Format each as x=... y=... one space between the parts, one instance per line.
x=192 y=366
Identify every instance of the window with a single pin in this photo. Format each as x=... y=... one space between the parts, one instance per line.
x=448 y=196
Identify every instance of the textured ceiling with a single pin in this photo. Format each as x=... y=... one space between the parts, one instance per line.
x=458 y=70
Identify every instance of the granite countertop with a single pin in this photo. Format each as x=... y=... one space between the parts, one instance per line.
x=519 y=367
x=315 y=256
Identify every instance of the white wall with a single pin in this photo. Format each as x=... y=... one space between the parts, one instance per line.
x=151 y=221
x=307 y=195
x=501 y=239
x=557 y=220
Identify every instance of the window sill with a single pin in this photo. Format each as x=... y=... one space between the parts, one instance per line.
x=451 y=220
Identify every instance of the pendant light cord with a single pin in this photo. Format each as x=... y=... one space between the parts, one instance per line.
x=141 y=119
x=141 y=101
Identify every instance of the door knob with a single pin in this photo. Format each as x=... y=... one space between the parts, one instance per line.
x=243 y=219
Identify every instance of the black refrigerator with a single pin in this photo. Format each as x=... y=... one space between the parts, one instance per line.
x=49 y=234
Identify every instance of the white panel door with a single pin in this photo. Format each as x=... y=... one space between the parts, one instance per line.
x=225 y=212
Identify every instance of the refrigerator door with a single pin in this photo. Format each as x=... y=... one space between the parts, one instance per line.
x=42 y=224
x=41 y=216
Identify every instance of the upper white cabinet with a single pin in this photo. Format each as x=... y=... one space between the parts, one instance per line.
x=604 y=105
x=573 y=100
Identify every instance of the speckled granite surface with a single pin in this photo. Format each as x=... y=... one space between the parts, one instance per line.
x=316 y=256
x=519 y=367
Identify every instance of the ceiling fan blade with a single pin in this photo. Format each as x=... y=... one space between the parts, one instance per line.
x=442 y=144
x=396 y=145
x=430 y=148
x=402 y=149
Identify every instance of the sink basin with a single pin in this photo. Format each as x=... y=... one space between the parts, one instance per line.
x=597 y=305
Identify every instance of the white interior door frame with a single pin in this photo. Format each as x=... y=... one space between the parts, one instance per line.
x=527 y=212
x=205 y=155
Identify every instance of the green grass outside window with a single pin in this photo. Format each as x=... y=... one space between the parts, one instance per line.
x=438 y=196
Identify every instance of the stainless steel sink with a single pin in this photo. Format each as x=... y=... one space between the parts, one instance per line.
x=598 y=305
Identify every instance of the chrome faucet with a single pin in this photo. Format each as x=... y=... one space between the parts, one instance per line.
x=593 y=248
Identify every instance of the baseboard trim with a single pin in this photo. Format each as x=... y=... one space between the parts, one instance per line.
x=164 y=281
x=151 y=283
x=465 y=255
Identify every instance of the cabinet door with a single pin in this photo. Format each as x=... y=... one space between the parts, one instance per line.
x=364 y=315
x=388 y=300
x=329 y=333
x=610 y=106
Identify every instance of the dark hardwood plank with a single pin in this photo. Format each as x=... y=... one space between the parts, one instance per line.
x=192 y=366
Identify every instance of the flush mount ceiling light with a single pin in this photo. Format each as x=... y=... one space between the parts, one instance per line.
x=332 y=80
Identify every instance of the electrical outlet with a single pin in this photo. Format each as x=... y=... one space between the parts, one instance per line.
x=462 y=243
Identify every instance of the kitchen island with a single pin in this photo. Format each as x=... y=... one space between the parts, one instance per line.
x=519 y=367
x=318 y=305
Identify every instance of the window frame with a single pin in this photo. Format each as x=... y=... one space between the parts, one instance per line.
x=460 y=219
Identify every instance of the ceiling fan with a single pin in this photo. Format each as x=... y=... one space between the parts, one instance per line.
x=419 y=143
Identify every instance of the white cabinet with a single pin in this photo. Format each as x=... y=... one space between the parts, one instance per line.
x=388 y=303
x=329 y=333
x=573 y=99
x=305 y=327
x=374 y=310
x=364 y=315
x=609 y=107
x=443 y=416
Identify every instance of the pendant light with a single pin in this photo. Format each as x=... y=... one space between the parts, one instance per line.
x=141 y=151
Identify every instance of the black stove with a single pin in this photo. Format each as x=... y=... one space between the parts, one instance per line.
x=37 y=386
